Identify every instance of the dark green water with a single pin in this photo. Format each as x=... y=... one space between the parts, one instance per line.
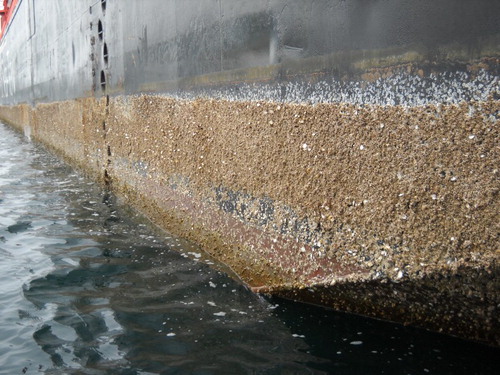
x=87 y=286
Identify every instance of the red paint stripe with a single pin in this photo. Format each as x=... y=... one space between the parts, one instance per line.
x=6 y=14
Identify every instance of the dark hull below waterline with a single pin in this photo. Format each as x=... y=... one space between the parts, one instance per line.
x=335 y=152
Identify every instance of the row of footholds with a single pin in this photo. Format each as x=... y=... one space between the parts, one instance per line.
x=105 y=53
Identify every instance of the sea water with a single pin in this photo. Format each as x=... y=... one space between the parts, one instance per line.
x=88 y=286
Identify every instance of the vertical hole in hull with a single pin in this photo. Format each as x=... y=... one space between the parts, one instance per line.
x=105 y=53
x=100 y=31
x=103 y=81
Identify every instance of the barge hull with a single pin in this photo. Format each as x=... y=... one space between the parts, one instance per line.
x=339 y=153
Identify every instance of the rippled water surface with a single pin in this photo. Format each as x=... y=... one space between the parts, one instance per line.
x=87 y=286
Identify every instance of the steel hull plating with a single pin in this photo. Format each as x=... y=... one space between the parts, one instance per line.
x=338 y=152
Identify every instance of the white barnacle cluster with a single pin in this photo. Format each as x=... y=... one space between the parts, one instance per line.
x=399 y=89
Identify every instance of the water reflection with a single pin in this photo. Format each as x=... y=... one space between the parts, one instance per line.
x=139 y=304
x=126 y=299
